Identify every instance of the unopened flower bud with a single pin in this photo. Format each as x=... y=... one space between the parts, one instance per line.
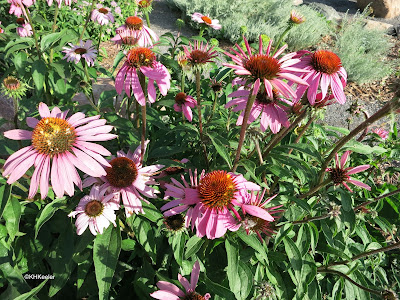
x=180 y=23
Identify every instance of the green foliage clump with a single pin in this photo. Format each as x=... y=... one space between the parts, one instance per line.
x=362 y=50
x=260 y=17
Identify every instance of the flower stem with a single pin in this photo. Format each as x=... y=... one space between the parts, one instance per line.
x=89 y=81
x=28 y=15
x=385 y=110
x=198 y=93
x=142 y=80
x=379 y=293
x=281 y=37
x=100 y=36
x=303 y=131
x=146 y=14
x=202 y=31
x=183 y=82
x=315 y=189
x=249 y=105
x=88 y=15
x=53 y=29
x=278 y=137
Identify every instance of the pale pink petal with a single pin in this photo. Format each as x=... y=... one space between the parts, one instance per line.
x=258 y=212
x=357 y=169
x=344 y=159
x=44 y=110
x=18 y=134
x=22 y=167
x=359 y=183
x=31 y=122
x=164 y=295
x=56 y=181
x=169 y=287
x=184 y=282
x=194 y=277
x=44 y=178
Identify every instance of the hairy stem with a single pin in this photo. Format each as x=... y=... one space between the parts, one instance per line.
x=91 y=99
x=198 y=93
x=376 y=199
x=53 y=29
x=88 y=15
x=142 y=80
x=303 y=131
x=146 y=14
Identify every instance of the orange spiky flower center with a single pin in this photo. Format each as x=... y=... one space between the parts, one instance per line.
x=193 y=296
x=80 y=51
x=11 y=83
x=122 y=173
x=140 y=57
x=134 y=23
x=263 y=66
x=338 y=175
x=103 y=10
x=94 y=208
x=217 y=189
x=326 y=62
x=180 y=98
x=175 y=222
x=20 y=21
x=53 y=136
x=206 y=20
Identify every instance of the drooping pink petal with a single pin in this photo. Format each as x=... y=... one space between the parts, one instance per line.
x=359 y=183
x=357 y=169
x=18 y=134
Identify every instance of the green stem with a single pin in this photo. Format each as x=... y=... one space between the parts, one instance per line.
x=53 y=29
x=249 y=105
x=385 y=110
x=201 y=31
x=281 y=38
x=198 y=93
x=146 y=14
x=88 y=15
x=142 y=80
x=303 y=131
x=183 y=82
x=100 y=36
x=91 y=99
x=28 y=15
x=315 y=189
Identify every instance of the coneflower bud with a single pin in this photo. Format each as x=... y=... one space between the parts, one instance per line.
x=13 y=88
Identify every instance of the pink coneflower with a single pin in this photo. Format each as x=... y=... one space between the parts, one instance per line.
x=85 y=50
x=255 y=224
x=134 y=26
x=59 y=2
x=325 y=68
x=95 y=210
x=202 y=19
x=59 y=145
x=169 y=291
x=296 y=18
x=103 y=16
x=25 y=30
x=1 y=29
x=273 y=112
x=129 y=180
x=340 y=174
x=210 y=202
x=144 y=3
x=265 y=70
x=16 y=6
x=384 y=134
x=184 y=103
x=142 y=60
x=198 y=54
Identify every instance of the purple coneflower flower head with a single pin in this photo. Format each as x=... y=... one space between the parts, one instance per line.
x=325 y=70
x=169 y=291
x=296 y=18
x=103 y=16
x=202 y=19
x=199 y=54
x=85 y=50
x=208 y=201
x=273 y=112
x=59 y=146
x=142 y=60
x=185 y=103
x=25 y=29
x=384 y=134
x=266 y=71
x=252 y=223
x=341 y=175
x=59 y=2
x=95 y=210
x=128 y=179
x=16 y=6
x=134 y=26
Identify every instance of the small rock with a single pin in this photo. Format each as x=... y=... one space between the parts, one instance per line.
x=387 y=9
x=329 y=12
x=297 y=2
x=371 y=24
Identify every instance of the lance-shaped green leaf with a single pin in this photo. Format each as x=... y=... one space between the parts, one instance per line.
x=294 y=257
x=46 y=214
x=12 y=215
x=232 y=253
x=192 y=246
x=38 y=74
x=5 y=193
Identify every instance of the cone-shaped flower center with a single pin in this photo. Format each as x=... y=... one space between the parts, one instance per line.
x=206 y=19
x=11 y=83
x=199 y=57
x=52 y=136
x=80 y=51
x=217 y=189
x=296 y=18
x=140 y=57
x=262 y=97
x=216 y=86
x=326 y=62
x=145 y=3
x=175 y=222
x=103 y=10
x=180 y=98
x=123 y=172
x=255 y=224
x=94 y=208
x=193 y=296
x=134 y=23
x=20 y=21
x=338 y=175
x=263 y=66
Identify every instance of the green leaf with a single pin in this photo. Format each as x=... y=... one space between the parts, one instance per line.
x=38 y=74
x=295 y=258
x=328 y=249
x=218 y=289
x=253 y=242
x=151 y=212
x=12 y=215
x=5 y=193
x=346 y=200
x=106 y=249
x=47 y=212
x=193 y=245
x=246 y=280
x=33 y=292
x=128 y=245
x=221 y=149
x=306 y=149
x=338 y=129
x=232 y=253
x=50 y=39
x=177 y=242
x=120 y=55
x=144 y=234
x=361 y=148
